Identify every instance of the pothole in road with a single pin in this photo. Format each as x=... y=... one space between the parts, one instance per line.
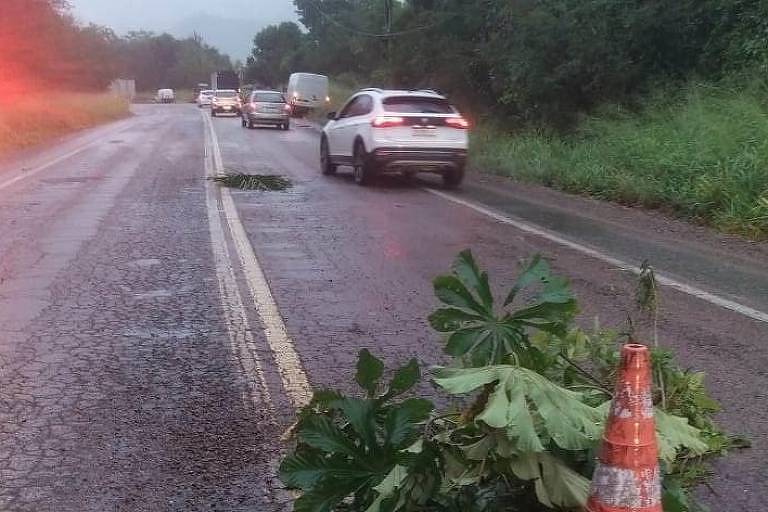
x=264 y=182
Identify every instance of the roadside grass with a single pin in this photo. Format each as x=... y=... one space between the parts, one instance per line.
x=701 y=153
x=33 y=119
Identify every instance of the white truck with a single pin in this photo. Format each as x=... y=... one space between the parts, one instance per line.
x=165 y=96
x=307 y=91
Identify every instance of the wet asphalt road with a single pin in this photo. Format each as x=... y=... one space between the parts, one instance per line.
x=124 y=387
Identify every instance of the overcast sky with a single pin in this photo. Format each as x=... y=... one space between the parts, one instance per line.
x=227 y=24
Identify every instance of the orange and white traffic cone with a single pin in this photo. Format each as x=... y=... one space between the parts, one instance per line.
x=627 y=477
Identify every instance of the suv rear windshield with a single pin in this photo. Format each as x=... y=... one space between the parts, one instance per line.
x=268 y=97
x=226 y=94
x=417 y=105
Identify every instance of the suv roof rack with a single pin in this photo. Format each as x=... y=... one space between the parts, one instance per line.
x=375 y=89
x=431 y=91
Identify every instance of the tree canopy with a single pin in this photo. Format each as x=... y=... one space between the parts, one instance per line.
x=43 y=46
x=529 y=59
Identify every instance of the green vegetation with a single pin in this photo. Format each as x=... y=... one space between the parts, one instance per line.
x=253 y=181
x=30 y=120
x=44 y=47
x=534 y=390
x=642 y=101
x=702 y=153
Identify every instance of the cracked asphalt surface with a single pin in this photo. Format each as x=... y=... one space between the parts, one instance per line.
x=120 y=388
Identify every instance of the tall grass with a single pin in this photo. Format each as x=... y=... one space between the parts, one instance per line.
x=32 y=119
x=702 y=153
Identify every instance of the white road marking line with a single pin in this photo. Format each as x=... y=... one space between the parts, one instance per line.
x=61 y=158
x=552 y=237
x=238 y=327
x=292 y=374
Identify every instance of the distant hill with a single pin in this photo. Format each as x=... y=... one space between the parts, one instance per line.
x=230 y=35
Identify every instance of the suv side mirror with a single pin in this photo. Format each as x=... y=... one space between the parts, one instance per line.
x=331 y=116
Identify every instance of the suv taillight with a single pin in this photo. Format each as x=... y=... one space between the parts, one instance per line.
x=387 y=121
x=457 y=122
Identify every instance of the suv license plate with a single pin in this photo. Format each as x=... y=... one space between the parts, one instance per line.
x=227 y=108
x=424 y=132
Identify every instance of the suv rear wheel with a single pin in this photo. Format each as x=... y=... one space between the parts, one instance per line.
x=452 y=178
x=362 y=170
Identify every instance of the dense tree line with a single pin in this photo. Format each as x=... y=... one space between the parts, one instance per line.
x=530 y=59
x=42 y=46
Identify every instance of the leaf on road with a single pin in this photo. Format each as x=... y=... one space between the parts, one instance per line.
x=530 y=407
x=404 y=379
x=320 y=432
x=369 y=371
x=403 y=418
x=673 y=433
x=466 y=270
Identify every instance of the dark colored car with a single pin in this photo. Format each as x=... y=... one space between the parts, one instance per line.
x=266 y=107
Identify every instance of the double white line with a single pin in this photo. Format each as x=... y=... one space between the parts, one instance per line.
x=219 y=202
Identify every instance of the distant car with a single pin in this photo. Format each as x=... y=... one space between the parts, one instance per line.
x=225 y=101
x=205 y=98
x=391 y=131
x=266 y=107
x=165 y=96
x=307 y=91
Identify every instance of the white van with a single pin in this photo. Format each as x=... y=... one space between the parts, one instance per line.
x=307 y=91
x=165 y=96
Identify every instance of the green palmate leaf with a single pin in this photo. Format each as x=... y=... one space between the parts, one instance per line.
x=462 y=341
x=404 y=379
x=674 y=433
x=402 y=420
x=465 y=268
x=520 y=426
x=674 y=498
x=480 y=336
x=320 y=432
x=450 y=319
x=361 y=415
x=556 y=484
x=451 y=291
x=528 y=406
x=324 y=398
x=560 y=485
x=347 y=446
x=369 y=371
x=388 y=487
x=327 y=494
x=305 y=470
x=536 y=271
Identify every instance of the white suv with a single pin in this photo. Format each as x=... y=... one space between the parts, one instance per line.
x=388 y=131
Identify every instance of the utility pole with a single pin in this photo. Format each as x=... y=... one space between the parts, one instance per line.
x=388 y=7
